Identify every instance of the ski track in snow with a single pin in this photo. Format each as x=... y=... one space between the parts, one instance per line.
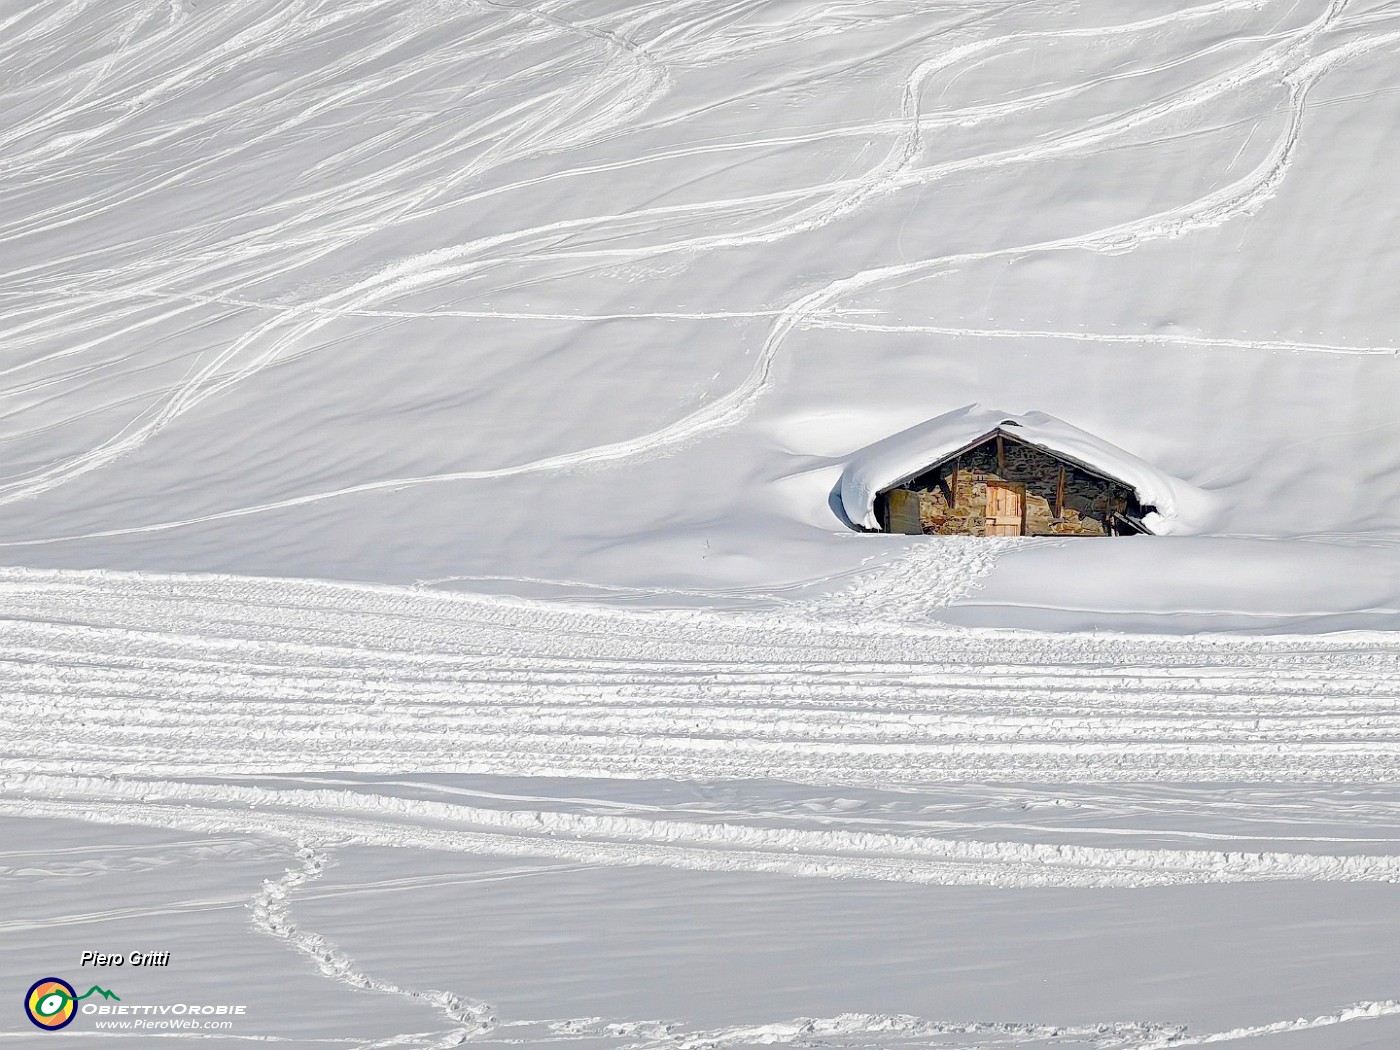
x=313 y=824
x=272 y=915
x=1120 y=338
x=174 y=679
x=181 y=693
x=1289 y=61
x=180 y=674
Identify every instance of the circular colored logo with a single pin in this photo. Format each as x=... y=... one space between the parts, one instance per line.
x=51 y=1003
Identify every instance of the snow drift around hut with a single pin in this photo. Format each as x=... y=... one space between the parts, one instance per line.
x=1179 y=507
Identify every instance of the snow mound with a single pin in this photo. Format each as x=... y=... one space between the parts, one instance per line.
x=1180 y=507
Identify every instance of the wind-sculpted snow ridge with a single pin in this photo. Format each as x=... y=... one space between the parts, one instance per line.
x=180 y=676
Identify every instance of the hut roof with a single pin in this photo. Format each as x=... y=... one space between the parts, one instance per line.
x=1177 y=506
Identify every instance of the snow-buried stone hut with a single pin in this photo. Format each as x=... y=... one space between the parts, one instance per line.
x=980 y=472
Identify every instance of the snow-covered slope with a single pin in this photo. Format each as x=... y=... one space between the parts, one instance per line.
x=317 y=313
x=379 y=816
x=185 y=676
x=605 y=294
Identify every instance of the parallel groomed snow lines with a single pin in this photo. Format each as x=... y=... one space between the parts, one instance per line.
x=206 y=703
x=183 y=675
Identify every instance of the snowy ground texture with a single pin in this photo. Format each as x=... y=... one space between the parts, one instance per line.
x=432 y=619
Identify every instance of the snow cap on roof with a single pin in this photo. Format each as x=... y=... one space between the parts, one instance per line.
x=1180 y=508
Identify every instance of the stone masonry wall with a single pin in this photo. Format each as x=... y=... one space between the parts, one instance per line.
x=1088 y=505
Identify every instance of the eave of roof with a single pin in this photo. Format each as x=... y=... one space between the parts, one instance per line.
x=1010 y=435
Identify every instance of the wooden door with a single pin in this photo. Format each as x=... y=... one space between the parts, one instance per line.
x=904 y=513
x=1006 y=509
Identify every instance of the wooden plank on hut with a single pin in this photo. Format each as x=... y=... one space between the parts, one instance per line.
x=905 y=519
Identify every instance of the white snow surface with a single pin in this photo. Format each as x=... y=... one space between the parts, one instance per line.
x=387 y=816
x=1179 y=508
x=430 y=615
x=597 y=299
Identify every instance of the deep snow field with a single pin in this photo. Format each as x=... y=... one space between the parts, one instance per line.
x=429 y=614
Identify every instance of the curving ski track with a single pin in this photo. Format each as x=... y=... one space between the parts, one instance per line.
x=1292 y=61
x=202 y=703
x=272 y=915
x=184 y=698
